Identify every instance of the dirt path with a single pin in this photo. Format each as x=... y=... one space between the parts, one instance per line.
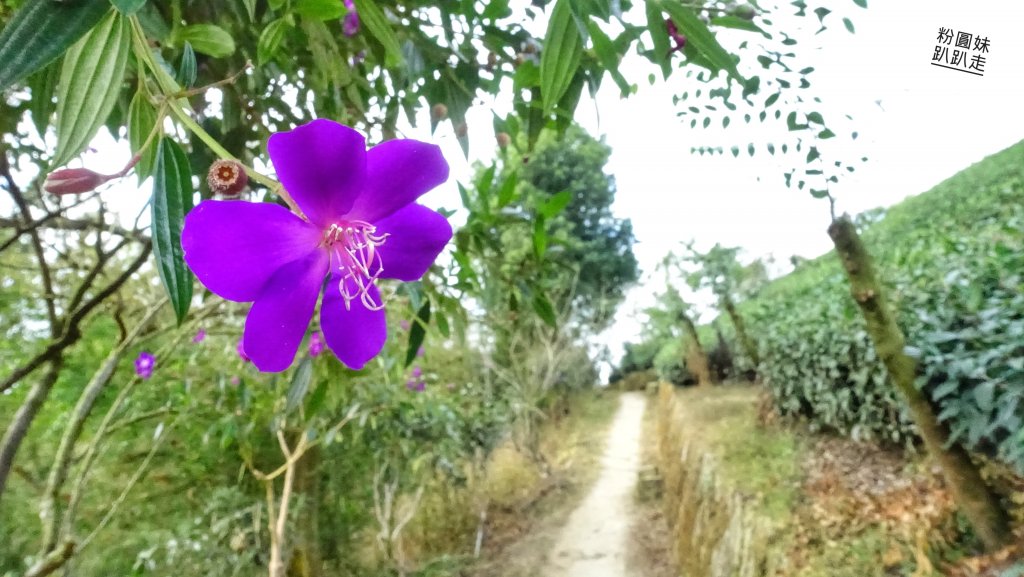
x=594 y=541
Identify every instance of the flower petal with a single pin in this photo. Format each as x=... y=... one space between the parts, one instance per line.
x=322 y=164
x=416 y=236
x=397 y=173
x=235 y=246
x=278 y=319
x=355 y=335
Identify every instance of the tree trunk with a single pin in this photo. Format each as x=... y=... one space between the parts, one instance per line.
x=972 y=495
x=23 y=418
x=741 y=331
x=306 y=560
x=697 y=359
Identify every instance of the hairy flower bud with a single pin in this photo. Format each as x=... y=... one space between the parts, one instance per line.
x=439 y=111
x=503 y=140
x=73 y=181
x=461 y=130
x=227 y=177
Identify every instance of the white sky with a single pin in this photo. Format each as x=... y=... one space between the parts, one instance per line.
x=932 y=122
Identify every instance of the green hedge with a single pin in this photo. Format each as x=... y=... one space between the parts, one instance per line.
x=953 y=259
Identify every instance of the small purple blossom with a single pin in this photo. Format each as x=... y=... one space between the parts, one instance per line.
x=673 y=32
x=316 y=345
x=415 y=385
x=200 y=335
x=235 y=381
x=144 y=365
x=417 y=372
x=404 y=324
x=362 y=224
x=350 y=24
x=420 y=352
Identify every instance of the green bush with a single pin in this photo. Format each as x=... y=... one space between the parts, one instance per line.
x=953 y=261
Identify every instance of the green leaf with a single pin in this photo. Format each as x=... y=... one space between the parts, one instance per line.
x=90 y=82
x=128 y=7
x=698 y=36
x=659 y=35
x=508 y=190
x=560 y=57
x=812 y=154
x=316 y=400
x=418 y=332
x=861 y=3
x=270 y=40
x=739 y=24
x=41 y=31
x=141 y=121
x=377 y=24
x=540 y=238
x=555 y=204
x=172 y=200
x=186 y=76
x=544 y=309
x=825 y=134
x=320 y=9
x=608 y=56
x=849 y=25
x=301 y=379
x=43 y=84
x=208 y=39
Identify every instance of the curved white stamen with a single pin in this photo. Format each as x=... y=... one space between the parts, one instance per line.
x=354 y=244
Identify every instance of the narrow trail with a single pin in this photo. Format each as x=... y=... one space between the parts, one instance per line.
x=594 y=541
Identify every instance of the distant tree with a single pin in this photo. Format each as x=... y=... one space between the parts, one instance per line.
x=599 y=246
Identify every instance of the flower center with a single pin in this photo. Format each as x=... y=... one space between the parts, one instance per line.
x=354 y=244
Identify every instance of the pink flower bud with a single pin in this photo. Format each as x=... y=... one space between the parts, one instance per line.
x=73 y=181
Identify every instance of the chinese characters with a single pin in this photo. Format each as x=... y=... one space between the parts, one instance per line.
x=966 y=54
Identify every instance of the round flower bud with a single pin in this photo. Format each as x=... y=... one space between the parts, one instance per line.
x=745 y=12
x=439 y=111
x=503 y=140
x=492 y=60
x=227 y=177
x=73 y=181
x=461 y=130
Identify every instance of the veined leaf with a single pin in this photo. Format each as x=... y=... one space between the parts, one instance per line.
x=41 y=31
x=141 y=121
x=186 y=76
x=209 y=39
x=43 y=85
x=90 y=81
x=609 y=57
x=172 y=200
x=543 y=307
x=659 y=35
x=540 y=238
x=560 y=57
x=377 y=24
x=270 y=40
x=698 y=36
x=128 y=7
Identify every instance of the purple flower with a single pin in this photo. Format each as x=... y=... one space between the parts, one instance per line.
x=415 y=385
x=316 y=346
x=200 y=335
x=144 y=365
x=417 y=372
x=235 y=381
x=350 y=24
x=678 y=38
x=362 y=224
x=420 y=352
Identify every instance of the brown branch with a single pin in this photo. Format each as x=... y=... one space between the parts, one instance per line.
x=55 y=560
x=37 y=246
x=64 y=223
x=27 y=412
x=72 y=331
x=20 y=229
